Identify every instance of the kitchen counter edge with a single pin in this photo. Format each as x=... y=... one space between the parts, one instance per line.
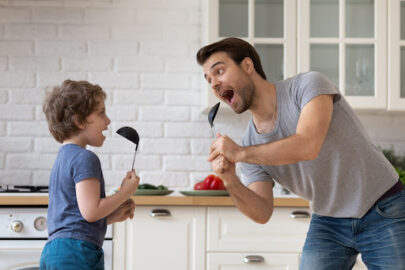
x=157 y=200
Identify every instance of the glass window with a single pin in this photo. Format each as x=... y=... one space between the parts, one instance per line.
x=269 y=18
x=325 y=59
x=359 y=18
x=359 y=70
x=272 y=58
x=402 y=72
x=324 y=18
x=233 y=18
x=402 y=20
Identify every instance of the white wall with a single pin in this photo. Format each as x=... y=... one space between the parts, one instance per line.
x=142 y=53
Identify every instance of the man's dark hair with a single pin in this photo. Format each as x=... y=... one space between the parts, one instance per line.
x=236 y=48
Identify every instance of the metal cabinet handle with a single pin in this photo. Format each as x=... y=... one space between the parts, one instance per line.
x=300 y=214
x=253 y=259
x=160 y=213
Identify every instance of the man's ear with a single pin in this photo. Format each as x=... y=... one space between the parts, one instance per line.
x=247 y=65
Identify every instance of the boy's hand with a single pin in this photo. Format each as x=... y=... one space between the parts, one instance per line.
x=124 y=211
x=130 y=183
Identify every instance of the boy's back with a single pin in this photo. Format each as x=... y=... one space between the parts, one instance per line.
x=72 y=165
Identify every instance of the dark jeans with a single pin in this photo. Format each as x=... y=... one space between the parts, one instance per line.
x=379 y=236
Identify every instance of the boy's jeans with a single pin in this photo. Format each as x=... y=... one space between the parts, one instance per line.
x=333 y=243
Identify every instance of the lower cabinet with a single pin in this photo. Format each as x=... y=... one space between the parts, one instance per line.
x=237 y=261
x=210 y=238
x=161 y=238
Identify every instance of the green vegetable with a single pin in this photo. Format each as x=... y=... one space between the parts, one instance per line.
x=161 y=187
x=147 y=186
x=397 y=162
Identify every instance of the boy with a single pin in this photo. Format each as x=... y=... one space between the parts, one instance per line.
x=78 y=211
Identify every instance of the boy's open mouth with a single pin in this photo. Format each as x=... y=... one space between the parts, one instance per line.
x=228 y=95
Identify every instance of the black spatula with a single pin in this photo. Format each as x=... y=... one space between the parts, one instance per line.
x=211 y=117
x=130 y=134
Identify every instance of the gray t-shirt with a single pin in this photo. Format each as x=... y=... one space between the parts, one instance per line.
x=348 y=175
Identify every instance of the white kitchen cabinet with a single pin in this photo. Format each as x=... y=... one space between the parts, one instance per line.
x=161 y=238
x=211 y=238
x=248 y=261
x=228 y=230
x=358 y=44
x=396 y=54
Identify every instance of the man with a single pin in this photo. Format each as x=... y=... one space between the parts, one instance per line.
x=304 y=135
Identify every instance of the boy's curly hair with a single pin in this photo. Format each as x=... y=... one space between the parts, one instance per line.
x=70 y=104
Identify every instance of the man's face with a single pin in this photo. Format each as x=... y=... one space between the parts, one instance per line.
x=229 y=81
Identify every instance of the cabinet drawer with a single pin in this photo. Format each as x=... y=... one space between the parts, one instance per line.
x=239 y=261
x=166 y=238
x=230 y=230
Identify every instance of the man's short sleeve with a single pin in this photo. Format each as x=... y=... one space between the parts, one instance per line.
x=310 y=85
x=253 y=173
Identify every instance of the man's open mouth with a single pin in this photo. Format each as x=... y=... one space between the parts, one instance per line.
x=228 y=95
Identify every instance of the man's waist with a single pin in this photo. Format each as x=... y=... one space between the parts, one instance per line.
x=398 y=187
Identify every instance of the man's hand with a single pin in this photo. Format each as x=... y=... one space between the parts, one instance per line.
x=225 y=147
x=124 y=211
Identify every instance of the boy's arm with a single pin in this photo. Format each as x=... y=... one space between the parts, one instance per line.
x=92 y=207
x=124 y=211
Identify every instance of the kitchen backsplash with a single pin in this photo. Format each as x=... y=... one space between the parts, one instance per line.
x=143 y=54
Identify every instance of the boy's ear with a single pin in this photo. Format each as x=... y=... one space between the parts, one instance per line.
x=77 y=123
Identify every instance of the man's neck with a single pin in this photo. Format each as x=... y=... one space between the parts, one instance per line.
x=264 y=107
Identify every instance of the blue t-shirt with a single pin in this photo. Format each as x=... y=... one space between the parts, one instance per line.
x=72 y=165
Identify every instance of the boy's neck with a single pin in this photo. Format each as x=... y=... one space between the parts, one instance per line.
x=74 y=140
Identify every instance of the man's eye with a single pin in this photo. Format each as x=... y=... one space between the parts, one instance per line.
x=220 y=71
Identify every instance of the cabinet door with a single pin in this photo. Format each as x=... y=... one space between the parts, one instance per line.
x=396 y=54
x=269 y=25
x=229 y=230
x=166 y=238
x=244 y=261
x=346 y=41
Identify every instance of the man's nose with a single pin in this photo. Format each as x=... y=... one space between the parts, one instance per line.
x=215 y=83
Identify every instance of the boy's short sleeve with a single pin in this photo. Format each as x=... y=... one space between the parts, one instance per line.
x=310 y=85
x=86 y=165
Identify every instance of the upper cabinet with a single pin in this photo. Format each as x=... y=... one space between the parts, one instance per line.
x=358 y=44
x=396 y=55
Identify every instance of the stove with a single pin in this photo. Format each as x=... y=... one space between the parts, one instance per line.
x=23 y=189
x=23 y=229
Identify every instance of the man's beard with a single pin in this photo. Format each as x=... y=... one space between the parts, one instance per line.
x=246 y=96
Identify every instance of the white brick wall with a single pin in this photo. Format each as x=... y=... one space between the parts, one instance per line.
x=143 y=54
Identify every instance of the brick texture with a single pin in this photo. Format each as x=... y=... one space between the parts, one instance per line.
x=143 y=54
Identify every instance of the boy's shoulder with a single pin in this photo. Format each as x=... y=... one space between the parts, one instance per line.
x=78 y=154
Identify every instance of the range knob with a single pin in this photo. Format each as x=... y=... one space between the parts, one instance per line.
x=17 y=226
x=40 y=224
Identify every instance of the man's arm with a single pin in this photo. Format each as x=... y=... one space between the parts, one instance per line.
x=255 y=201
x=305 y=144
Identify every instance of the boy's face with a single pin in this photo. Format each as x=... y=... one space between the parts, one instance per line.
x=96 y=123
x=229 y=81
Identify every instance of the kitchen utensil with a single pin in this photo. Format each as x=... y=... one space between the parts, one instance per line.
x=211 y=117
x=130 y=134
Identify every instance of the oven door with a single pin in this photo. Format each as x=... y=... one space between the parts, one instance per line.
x=20 y=254
x=25 y=254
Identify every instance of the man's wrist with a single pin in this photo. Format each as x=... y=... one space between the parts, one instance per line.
x=242 y=154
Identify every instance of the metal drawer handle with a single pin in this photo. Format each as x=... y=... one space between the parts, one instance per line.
x=300 y=214
x=253 y=259
x=160 y=213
